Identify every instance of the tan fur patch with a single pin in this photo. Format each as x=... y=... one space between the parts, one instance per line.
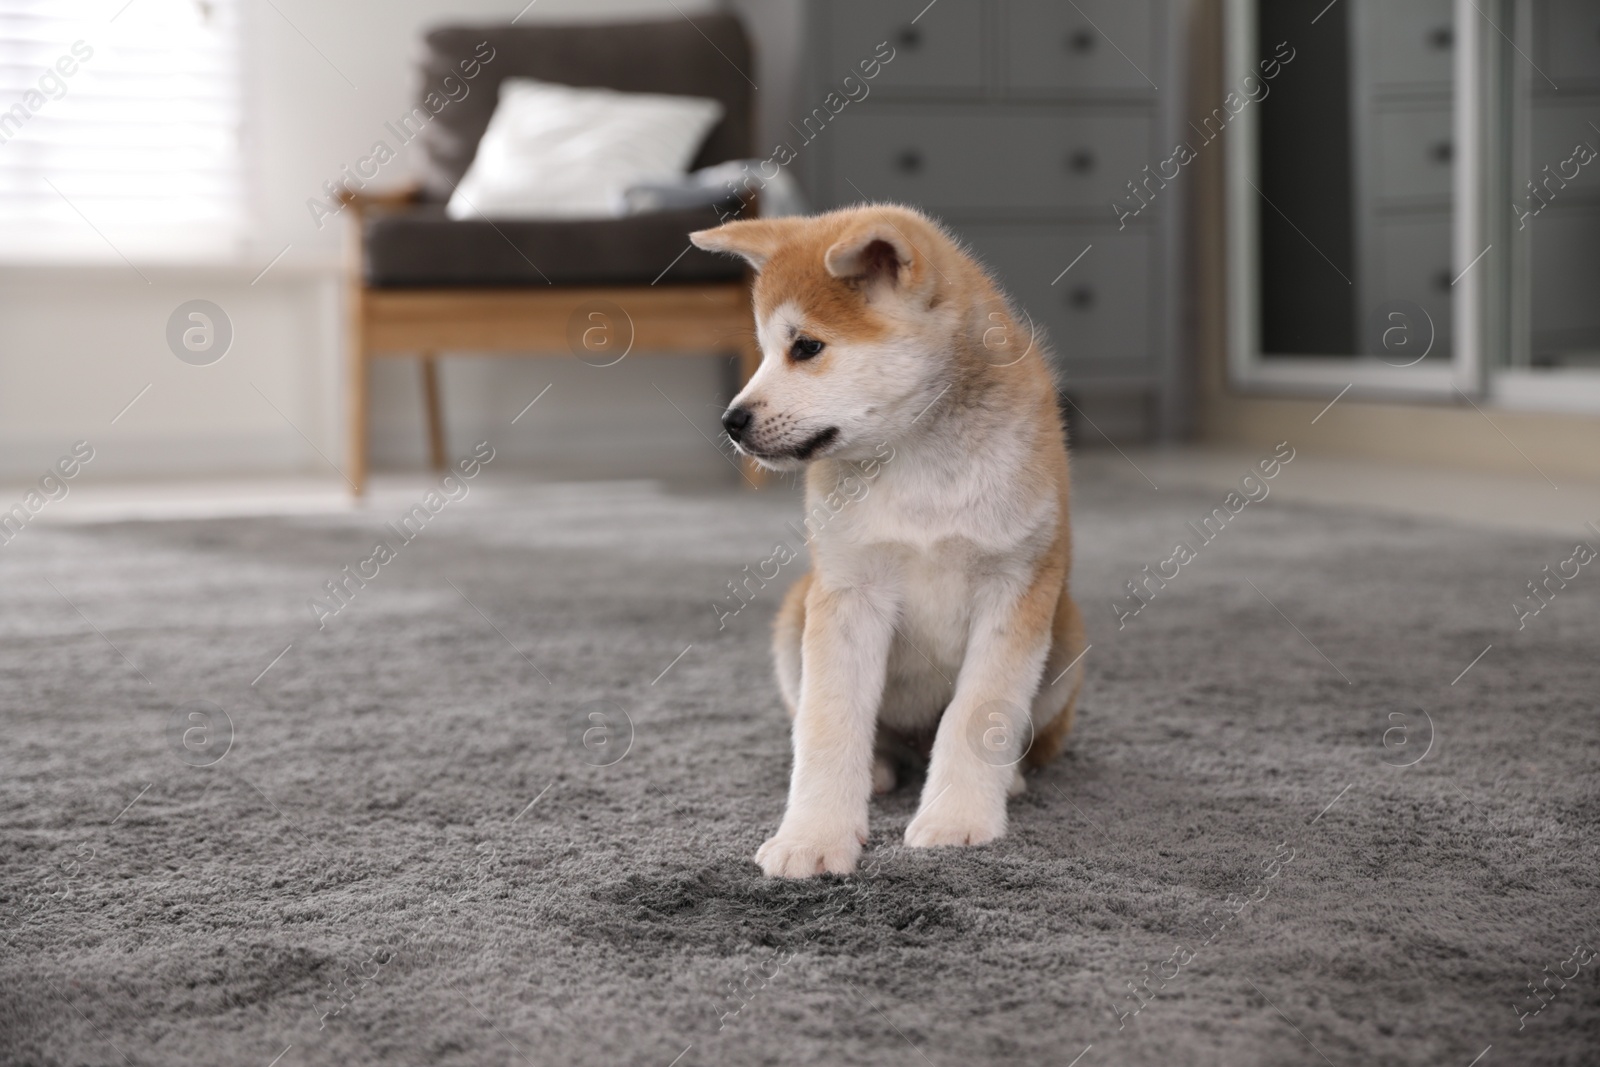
x=833 y=307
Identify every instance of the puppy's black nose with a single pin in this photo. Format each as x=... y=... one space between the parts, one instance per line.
x=736 y=421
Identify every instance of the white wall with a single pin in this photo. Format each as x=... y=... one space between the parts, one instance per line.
x=76 y=344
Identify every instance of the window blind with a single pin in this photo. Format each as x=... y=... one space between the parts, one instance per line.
x=119 y=130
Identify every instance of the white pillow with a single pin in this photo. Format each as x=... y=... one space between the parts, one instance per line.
x=555 y=151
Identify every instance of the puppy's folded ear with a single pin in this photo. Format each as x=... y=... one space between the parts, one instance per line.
x=754 y=239
x=877 y=250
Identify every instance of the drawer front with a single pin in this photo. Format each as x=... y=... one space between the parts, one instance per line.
x=1565 y=277
x=1558 y=129
x=1415 y=152
x=1100 y=309
x=1411 y=42
x=942 y=49
x=1092 y=44
x=1003 y=161
x=1415 y=264
x=1573 y=27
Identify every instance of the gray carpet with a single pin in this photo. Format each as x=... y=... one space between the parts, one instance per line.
x=408 y=854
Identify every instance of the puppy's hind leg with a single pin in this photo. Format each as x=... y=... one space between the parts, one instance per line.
x=1057 y=698
x=884 y=775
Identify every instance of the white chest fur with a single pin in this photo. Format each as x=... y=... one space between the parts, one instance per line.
x=934 y=540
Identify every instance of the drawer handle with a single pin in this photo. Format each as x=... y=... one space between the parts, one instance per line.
x=1081 y=297
x=1442 y=152
x=1442 y=38
x=1080 y=41
x=1442 y=281
x=909 y=161
x=910 y=37
x=1081 y=161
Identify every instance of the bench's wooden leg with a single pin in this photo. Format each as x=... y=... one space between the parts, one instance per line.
x=357 y=402
x=430 y=401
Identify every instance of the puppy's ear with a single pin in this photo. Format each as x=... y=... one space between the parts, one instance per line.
x=877 y=250
x=754 y=239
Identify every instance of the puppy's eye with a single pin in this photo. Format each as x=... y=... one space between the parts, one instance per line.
x=805 y=348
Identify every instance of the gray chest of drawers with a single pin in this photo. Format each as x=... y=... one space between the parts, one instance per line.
x=1019 y=124
x=1402 y=105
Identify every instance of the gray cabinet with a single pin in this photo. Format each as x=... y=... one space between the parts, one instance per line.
x=1020 y=124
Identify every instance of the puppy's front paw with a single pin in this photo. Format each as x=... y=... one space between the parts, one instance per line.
x=804 y=852
x=952 y=819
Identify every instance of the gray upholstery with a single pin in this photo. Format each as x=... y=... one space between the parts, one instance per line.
x=707 y=56
x=419 y=246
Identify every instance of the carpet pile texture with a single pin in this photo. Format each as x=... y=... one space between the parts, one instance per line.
x=500 y=806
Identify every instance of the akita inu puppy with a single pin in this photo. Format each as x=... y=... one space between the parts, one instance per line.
x=937 y=613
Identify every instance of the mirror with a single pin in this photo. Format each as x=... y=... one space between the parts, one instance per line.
x=1356 y=161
